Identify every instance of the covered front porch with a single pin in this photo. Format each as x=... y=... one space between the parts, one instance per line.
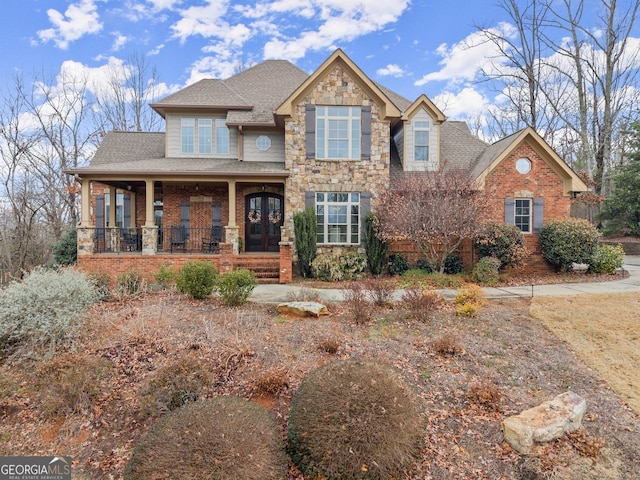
x=142 y=223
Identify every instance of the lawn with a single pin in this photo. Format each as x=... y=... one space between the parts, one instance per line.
x=94 y=403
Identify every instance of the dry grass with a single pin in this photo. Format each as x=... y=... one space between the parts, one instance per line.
x=604 y=330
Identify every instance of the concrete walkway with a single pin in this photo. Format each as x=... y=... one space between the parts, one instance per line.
x=282 y=293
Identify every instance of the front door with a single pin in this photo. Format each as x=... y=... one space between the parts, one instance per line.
x=263 y=218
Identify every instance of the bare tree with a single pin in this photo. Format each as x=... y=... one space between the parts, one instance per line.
x=122 y=103
x=436 y=211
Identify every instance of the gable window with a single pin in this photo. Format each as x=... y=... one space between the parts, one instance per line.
x=421 y=140
x=204 y=135
x=338 y=217
x=188 y=134
x=337 y=132
x=522 y=218
x=222 y=137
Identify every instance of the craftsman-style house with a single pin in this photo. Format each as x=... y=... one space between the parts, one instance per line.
x=240 y=156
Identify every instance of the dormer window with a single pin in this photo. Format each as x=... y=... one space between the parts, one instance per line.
x=421 y=141
x=188 y=135
x=197 y=136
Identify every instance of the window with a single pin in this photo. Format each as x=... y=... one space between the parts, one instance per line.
x=337 y=132
x=522 y=218
x=421 y=141
x=222 y=137
x=263 y=143
x=119 y=209
x=523 y=165
x=204 y=135
x=188 y=135
x=338 y=217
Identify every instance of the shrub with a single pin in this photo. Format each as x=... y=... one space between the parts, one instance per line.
x=375 y=248
x=175 y=385
x=70 y=384
x=422 y=303
x=446 y=345
x=381 y=291
x=165 y=275
x=305 y=232
x=453 y=265
x=397 y=264
x=504 y=242
x=486 y=271
x=568 y=241
x=357 y=303
x=329 y=345
x=129 y=283
x=236 y=286
x=271 y=381
x=355 y=419
x=219 y=439
x=485 y=394
x=65 y=252
x=469 y=300
x=607 y=259
x=44 y=310
x=197 y=279
x=335 y=268
x=102 y=283
x=424 y=265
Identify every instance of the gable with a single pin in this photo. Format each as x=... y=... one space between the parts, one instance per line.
x=339 y=60
x=497 y=153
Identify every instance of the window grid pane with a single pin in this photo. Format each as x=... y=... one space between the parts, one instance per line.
x=204 y=136
x=338 y=218
x=188 y=135
x=522 y=218
x=222 y=137
x=337 y=132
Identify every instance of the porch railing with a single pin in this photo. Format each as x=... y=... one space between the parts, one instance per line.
x=117 y=240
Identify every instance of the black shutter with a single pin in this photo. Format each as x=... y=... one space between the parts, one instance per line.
x=185 y=217
x=310 y=129
x=538 y=214
x=217 y=214
x=310 y=200
x=365 y=208
x=126 y=220
x=510 y=211
x=365 y=132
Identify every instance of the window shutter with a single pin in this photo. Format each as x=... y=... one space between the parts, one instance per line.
x=365 y=208
x=310 y=200
x=99 y=211
x=365 y=132
x=538 y=214
x=510 y=211
x=185 y=217
x=126 y=200
x=310 y=129
x=216 y=219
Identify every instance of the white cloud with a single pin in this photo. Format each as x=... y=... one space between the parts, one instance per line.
x=212 y=67
x=78 y=20
x=391 y=70
x=464 y=60
x=119 y=42
x=205 y=21
x=465 y=104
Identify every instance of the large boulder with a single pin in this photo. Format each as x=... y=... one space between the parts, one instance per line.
x=544 y=423
x=303 y=309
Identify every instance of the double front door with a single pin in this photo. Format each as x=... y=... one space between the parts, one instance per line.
x=263 y=218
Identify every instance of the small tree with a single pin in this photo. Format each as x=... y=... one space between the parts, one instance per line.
x=304 y=224
x=376 y=248
x=436 y=211
x=65 y=252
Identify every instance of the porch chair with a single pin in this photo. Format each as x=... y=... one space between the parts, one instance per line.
x=132 y=241
x=178 y=238
x=212 y=244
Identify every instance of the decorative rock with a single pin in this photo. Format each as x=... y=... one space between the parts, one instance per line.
x=303 y=309
x=545 y=422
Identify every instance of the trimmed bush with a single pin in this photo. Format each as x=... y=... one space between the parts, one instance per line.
x=568 y=241
x=453 y=265
x=335 y=268
x=607 y=259
x=469 y=300
x=165 y=275
x=236 y=286
x=357 y=303
x=219 y=439
x=422 y=303
x=65 y=252
x=305 y=232
x=44 y=310
x=197 y=279
x=354 y=419
x=376 y=249
x=129 y=283
x=487 y=271
x=504 y=242
x=397 y=264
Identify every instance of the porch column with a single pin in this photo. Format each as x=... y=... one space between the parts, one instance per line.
x=113 y=205
x=149 y=222
x=132 y=203
x=85 y=208
x=231 y=230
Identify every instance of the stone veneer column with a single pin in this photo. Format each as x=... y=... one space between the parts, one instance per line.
x=231 y=234
x=149 y=240
x=85 y=241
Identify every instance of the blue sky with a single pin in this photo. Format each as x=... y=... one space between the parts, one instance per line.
x=410 y=46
